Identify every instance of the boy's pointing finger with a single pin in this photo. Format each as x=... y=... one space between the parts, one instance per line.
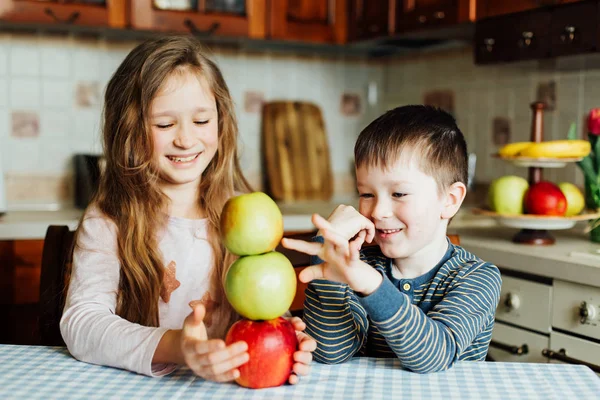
x=310 y=248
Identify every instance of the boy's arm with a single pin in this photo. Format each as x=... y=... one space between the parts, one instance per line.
x=335 y=319
x=432 y=342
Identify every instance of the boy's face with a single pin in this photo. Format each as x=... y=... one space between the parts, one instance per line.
x=404 y=204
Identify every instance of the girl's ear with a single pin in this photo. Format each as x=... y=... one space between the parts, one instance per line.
x=454 y=197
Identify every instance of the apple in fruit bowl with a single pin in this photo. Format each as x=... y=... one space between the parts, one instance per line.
x=251 y=224
x=506 y=194
x=261 y=287
x=575 y=199
x=271 y=347
x=545 y=198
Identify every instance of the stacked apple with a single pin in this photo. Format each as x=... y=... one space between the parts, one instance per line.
x=260 y=286
x=513 y=195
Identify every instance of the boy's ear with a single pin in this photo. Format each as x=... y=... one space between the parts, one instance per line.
x=455 y=195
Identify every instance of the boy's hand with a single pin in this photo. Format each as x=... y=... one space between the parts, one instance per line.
x=210 y=359
x=348 y=223
x=342 y=259
x=302 y=357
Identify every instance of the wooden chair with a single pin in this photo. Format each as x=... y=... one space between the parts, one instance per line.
x=57 y=254
x=301 y=261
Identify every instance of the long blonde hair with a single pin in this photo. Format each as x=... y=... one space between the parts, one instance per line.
x=129 y=193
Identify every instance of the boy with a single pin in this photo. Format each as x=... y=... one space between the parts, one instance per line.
x=416 y=297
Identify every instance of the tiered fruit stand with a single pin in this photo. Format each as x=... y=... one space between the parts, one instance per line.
x=535 y=228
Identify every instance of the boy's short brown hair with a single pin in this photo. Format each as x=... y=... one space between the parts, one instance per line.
x=430 y=132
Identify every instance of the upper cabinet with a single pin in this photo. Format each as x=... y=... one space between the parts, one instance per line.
x=241 y=18
x=369 y=19
x=309 y=20
x=414 y=15
x=100 y=13
x=492 y=8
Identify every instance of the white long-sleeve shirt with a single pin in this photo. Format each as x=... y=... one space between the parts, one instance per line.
x=90 y=328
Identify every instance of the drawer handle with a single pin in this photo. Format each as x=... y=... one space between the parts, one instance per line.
x=69 y=20
x=516 y=350
x=568 y=35
x=561 y=355
x=526 y=39
x=197 y=32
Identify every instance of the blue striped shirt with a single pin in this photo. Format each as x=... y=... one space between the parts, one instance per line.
x=428 y=322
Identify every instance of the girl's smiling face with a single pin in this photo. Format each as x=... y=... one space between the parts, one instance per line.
x=184 y=124
x=405 y=205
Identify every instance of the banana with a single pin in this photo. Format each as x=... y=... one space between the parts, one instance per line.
x=512 y=149
x=557 y=149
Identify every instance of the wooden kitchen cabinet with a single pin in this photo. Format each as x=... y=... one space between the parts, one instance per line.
x=20 y=268
x=574 y=29
x=414 y=15
x=203 y=21
x=309 y=20
x=492 y=8
x=369 y=19
x=112 y=13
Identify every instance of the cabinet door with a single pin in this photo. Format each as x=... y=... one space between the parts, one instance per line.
x=493 y=41
x=309 y=20
x=491 y=8
x=513 y=344
x=368 y=19
x=412 y=15
x=532 y=39
x=246 y=18
x=101 y=13
x=574 y=29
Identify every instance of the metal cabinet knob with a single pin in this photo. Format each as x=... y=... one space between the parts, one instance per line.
x=587 y=312
x=512 y=302
x=439 y=15
x=526 y=39
x=568 y=35
x=489 y=44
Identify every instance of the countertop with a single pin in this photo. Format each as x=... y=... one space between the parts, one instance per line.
x=573 y=257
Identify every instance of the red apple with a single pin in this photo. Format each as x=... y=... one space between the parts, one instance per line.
x=545 y=198
x=271 y=347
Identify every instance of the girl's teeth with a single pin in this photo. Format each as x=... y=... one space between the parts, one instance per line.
x=183 y=159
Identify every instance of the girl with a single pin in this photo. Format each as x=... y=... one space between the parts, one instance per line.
x=146 y=289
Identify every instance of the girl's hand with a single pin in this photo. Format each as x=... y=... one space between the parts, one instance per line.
x=302 y=357
x=348 y=223
x=210 y=359
x=342 y=259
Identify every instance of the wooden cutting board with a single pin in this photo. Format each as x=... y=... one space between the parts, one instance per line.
x=295 y=152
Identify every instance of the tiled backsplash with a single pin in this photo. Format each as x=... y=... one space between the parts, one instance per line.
x=51 y=92
x=503 y=93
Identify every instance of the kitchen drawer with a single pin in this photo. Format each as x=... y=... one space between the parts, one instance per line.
x=525 y=303
x=507 y=341
x=576 y=349
x=576 y=308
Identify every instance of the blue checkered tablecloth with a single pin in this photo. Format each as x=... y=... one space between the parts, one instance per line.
x=36 y=372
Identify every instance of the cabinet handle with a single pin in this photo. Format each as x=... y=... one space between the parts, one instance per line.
x=516 y=350
x=422 y=19
x=197 y=32
x=489 y=44
x=526 y=39
x=69 y=20
x=439 y=15
x=568 y=35
x=561 y=355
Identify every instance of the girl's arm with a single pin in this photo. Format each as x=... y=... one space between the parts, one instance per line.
x=90 y=328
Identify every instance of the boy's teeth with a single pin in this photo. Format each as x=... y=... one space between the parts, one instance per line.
x=390 y=230
x=182 y=159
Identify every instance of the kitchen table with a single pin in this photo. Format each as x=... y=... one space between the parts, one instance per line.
x=32 y=372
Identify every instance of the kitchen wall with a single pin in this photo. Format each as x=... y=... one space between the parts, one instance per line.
x=484 y=96
x=51 y=92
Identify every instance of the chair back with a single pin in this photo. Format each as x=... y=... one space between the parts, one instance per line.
x=56 y=256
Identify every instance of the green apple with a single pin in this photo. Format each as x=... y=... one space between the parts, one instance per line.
x=261 y=287
x=506 y=194
x=251 y=224
x=575 y=199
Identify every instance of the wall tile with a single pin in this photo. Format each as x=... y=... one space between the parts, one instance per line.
x=23 y=156
x=57 y=93
x=55 y=124
x=24 y=60
x=4 y=125
x=56 y=59
x=3 y=57
x=25 y=92
x=3 y=92
x=86 y=63
x=57 y=157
